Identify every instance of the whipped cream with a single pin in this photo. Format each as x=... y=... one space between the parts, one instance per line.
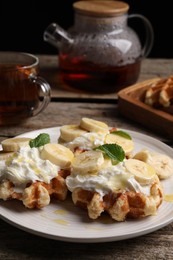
x=27 y=166
x=111 y=178
x=86 y=141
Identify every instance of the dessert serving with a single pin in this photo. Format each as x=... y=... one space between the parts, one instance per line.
x=130 y=188
x=34 y=171
x=95 y=164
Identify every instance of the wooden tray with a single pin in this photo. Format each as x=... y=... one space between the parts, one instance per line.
x=131 y=105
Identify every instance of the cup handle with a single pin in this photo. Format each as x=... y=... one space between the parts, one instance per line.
x=149 y=34
x=44 y=96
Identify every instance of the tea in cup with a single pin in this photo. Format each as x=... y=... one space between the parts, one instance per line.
x=23 y=93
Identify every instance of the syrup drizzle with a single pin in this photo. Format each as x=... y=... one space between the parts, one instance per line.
x=168 y=197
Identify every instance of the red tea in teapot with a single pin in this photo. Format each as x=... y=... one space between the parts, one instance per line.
x=100 y=53
x=89 y=77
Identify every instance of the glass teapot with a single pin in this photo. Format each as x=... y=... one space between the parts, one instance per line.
x=100 y=53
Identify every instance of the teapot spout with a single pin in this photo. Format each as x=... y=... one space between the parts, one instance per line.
x=54 y=33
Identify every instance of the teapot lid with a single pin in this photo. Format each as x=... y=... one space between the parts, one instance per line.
x=101 y=7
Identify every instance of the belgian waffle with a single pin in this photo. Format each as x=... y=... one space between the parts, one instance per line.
x=37 y=194
x=121 y=205
x=160 y=93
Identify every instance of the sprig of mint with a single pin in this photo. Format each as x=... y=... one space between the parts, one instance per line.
x=122 y=134
x=40 y=140
x=113 y=151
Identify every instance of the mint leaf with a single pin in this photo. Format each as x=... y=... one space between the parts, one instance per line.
x=40 y=140
x=122 y=134
x=114 y=151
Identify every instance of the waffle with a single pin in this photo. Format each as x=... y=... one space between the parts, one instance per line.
x=121 y=205
x=160 y=93
x=37 y=194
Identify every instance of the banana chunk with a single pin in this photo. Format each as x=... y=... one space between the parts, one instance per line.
x=92 y=125
x=162 y=163
x=126 y=144
x=14 y=144
x=57 y=154
x=69 y=132
x=88 y=162
x=143 y=172
x=5 y=155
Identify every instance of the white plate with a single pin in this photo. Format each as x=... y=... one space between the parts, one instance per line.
x=63 y=221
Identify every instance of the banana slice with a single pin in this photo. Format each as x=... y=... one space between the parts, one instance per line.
x=107 y=163
x=88 y=162
x=5 y=155
x=92 y=125
x=143 y=155
x=57 y=154
x=143 y=172
x=14 y=144
x=126 y=144
x=162 y=163
x=69 y=132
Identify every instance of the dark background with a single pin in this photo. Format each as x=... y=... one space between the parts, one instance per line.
x=22 y=24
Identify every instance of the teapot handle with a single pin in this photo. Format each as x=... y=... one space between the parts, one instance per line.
x=149 y=34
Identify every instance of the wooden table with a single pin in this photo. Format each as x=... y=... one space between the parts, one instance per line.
x=65 y=108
